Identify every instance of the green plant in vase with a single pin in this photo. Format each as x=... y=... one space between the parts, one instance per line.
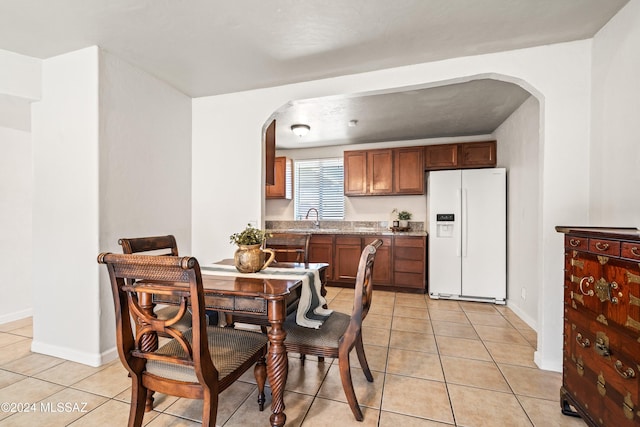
x=249 y=257
x=404 y=217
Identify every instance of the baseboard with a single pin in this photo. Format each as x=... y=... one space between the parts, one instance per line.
x=553 y=365
x=16 y=315
x=522 y=315
x=91 y=359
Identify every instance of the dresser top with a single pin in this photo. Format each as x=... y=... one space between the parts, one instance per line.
x=629 y=233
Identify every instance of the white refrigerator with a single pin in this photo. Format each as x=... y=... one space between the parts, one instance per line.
x=468 y=234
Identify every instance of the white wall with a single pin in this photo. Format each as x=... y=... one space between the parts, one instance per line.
x=145 y=166
x=66 y=300
x=518 y=150
x=615 y=157
x=370 y=208
x=16 y=188
x=19 y=85
x=228 y=155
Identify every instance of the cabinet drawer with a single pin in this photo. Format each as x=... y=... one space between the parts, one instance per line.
x=576 y=243
x=630 y=250
x=321 y=238
x=409 y=266
x=413 y=254
x=409 y=242
x=604 y=247
x=409 y=280
x=348 y=240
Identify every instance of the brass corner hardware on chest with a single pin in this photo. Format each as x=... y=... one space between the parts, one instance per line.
x=601 y=345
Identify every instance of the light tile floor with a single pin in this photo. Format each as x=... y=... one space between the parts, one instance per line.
x=434 y=362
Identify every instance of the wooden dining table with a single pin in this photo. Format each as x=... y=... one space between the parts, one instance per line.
x=271 y=298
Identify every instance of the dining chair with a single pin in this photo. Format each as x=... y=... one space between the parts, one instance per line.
x=289 y=247
x=161 y=246
x=198 y=363
x=340 y=333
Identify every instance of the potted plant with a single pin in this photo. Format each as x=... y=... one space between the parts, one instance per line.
x=249 y=257
x=404 y=217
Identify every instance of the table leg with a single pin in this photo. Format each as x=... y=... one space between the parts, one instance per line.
x=277 y=363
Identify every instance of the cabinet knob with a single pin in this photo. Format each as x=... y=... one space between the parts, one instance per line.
x=625 y=372
x=574 y=242
x=602 y=246
x=635 y=252
x=583 y=342
x=586 y=280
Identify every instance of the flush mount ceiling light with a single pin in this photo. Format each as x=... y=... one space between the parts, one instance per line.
x=353 y=123
x=300 y=130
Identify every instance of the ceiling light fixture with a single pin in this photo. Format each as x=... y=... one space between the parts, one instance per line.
x=300 y=130
x=353 y=123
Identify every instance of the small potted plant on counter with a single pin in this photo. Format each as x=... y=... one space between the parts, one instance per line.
x=403 y=218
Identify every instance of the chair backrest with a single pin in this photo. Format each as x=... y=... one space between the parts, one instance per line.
x=150 y=244
x=166 y=276
x=364 y=287
x=291 y=246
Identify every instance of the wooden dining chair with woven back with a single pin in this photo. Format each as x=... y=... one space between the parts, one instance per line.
x=160 y=246
x=197 y=363
x=340 y=333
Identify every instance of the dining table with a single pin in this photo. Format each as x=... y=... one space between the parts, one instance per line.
x=260 y=295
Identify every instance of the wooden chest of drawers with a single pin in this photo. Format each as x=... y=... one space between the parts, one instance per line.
x=601 y=347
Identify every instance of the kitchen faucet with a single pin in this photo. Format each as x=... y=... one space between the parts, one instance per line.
x=317 y=223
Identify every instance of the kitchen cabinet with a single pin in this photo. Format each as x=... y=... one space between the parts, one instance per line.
x=368 y=172
x=460 y=156
x=408 y=170
x=270 y=153
x=601 y=345
x=283 y=186
x=347 y=253
x=321 y=250
x=409 y=261
x=385 y=171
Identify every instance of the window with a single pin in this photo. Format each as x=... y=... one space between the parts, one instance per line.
x=319 y=184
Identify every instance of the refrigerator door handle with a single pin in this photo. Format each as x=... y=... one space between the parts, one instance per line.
x=465 y=222
x=457 y=223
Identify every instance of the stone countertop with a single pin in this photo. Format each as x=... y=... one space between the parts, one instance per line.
x=352 y=231
x=365 y=228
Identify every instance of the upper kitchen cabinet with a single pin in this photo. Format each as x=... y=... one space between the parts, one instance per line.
x=460 y=156
x=385 y=171
x=270 y=153
x=282 y=187
x=408 y=170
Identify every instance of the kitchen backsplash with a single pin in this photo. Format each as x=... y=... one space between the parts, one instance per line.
x=338 y=225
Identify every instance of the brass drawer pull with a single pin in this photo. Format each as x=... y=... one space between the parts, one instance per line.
x=574 y=242
x=584 y=343
x=601 y=246
x=624 y=372
x=634 y=251
x=589 y=280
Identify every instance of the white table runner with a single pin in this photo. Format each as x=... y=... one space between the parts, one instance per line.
x=310 y=313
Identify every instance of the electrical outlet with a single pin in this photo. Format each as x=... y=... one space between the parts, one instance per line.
x=523 y=293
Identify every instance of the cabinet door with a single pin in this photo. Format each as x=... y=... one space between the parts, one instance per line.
x=321 y=250
x=270 y=152
x=441 y=156
x=408 y=170
x=478 y=154
x=355 y=173
x=409 y=261
x=346 y=258
x=282 y=189
x=382 y=268
x=380 y=171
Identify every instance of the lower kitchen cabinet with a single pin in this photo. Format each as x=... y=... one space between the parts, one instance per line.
x=409 y=261
x=342 y=252
x=321 y=250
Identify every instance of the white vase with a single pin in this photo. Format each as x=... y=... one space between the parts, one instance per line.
x=404 y=223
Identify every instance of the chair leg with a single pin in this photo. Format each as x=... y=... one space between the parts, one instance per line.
x=363 y=359
x=228 y=318
x=347 y=384
x=138 y=401
x=209 y=408
x=260 y=372
x=303 y=357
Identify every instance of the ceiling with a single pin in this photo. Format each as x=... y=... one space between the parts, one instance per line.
x=209 y=47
